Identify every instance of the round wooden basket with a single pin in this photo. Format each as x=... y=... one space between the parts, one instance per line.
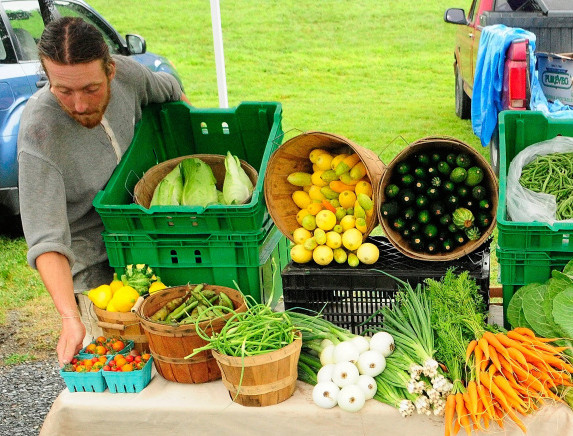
x=261 y=380
x=145 y=187
x=122 y=324
x=292 y=156
x=169 y=344
x=443 y=144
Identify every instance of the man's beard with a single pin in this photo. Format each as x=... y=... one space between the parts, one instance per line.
x=93 y=118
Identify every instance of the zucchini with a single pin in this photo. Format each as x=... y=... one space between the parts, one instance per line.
x=451 y=159
x=421 y=201
x=407 y=179
x=453 y=201
x=433 y=193
x=444 y=168
x=430 y=231
x=417 y=243
x=409 y=213
x=478 y=192
x=398 y=224
x=431 y=248
x=483 y=219
x=423 y=159
x=459 y=238
x=420 y=186
x=448 y=186
x=403 y=168
x=462 y=191
x=437 y=209
x=446 y=219
x=469 y=203
x=485 y=204
x=435 y=158
x=406 y=233
x=474 y=176
x=463 y=160
x=390 y=209
x=415 y=227
x=452 y=228
x=392 y=190
x=458 y=175
x=407 y=197
x=447 y=244
x=420 y=172
x=432 y=171
x=424 y=216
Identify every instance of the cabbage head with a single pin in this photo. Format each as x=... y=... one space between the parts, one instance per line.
x=169 y=189
x=237 y=187
x=199 y=183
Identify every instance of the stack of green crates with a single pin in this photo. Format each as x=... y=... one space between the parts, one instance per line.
x=233 y=246
x=527 y=252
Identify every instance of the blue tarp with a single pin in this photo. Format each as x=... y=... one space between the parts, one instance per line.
x=488 y=81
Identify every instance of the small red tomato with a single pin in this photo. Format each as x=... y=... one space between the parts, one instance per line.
x=74 y=361
x=112 y=363
x=129 y=358
x=107 y=368
x=95 y=359
x=137 y=359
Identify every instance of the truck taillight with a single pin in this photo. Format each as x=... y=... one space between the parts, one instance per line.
x=517 y=85
x=516 y=77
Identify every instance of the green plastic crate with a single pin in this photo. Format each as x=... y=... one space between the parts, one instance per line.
x=251 y=131
x=517 y=130
x=518 y=268
x=252 y=261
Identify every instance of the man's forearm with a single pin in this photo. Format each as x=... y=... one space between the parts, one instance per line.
x=54 y=269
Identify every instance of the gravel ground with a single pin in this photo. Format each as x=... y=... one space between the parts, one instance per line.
x=26 y=395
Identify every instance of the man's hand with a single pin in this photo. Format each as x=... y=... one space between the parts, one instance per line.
x=71 y=339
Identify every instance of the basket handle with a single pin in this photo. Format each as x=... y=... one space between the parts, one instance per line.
x=132 y=194
x=391 y=142
x=109 y=325
x=137 y=304
x=278 y=143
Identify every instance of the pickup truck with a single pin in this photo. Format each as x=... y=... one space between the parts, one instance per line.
x=550 y=20
x=21 y=25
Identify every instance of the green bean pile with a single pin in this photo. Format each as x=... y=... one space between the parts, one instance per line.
x=256 y=331
x=552 y=174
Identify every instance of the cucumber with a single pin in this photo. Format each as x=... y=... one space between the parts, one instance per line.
x=398 y=224
x=390 y=209
x=420 y=172
x=424 y=216
x=444 y=168
x=423 y=159
x=421 y=201
x=483 y=220
x=458 y=175
x=420 y=186
x=407 y=197
x=392 y=190
x=407 y=179
x=432 y=193
x=462 y=191
x=453 y=201
x=403 y=168
x=430 y=231
x=485 y=204
x=451 y=159
x=409 y=213
x=474 y=176
x=417 y=243
x=448 y=186
x=437 y=209
x=479 y=192
x=463 y=160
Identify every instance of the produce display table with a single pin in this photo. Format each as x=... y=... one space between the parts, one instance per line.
x=167 y=408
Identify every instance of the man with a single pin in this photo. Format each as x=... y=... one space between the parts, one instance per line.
x=72 y=135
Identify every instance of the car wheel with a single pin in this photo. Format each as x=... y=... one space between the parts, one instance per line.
x=463 y=102
x=494 y=151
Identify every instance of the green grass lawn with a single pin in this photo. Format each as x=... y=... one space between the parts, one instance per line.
x=379 y=73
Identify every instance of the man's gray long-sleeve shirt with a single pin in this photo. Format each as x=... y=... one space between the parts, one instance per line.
x=62 y=166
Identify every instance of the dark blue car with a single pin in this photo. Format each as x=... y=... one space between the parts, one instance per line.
x=21 y=25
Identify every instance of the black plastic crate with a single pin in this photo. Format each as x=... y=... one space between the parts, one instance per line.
x=348 y=296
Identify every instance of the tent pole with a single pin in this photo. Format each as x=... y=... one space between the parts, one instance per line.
x=219 y=54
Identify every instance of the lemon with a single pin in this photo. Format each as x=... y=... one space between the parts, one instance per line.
x=310 y=244
x=325 y=219
x=309 y=222
x=348 y=222
x=368 y=253
x=347 y=199
x=353 y=260
x=320 y=236
x=316 y=180
x=299 y=254
x=323 y=161
x=124 y=299
x=315 y=193
x=301 y=214
x=100 y=296
x=340 y=255
x=313 y=155
x=333 y=239
x=314 y=208
x=363 y=187
x=352 y=239
x=301 y=199
x=337 y=228
x=322 y=255
x=361 y=225
x=300 y=235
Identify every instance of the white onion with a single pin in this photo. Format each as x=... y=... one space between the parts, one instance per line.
x=327 y=355
x=351 y=398
x=346 y=352
x=361 y=343
x=325 y=394
x=371 y=363
x=345 y=373
x=382 y=342
x=325 y=373
x=368 y=385
x=325 y=343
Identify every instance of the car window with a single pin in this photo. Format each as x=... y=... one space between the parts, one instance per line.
x=68 y=9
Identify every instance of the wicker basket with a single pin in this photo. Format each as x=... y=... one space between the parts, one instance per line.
x=261 y=380
x=428 y=144
x=122 y=324
x=145 y=187
x=169 y=344
x=292 y=156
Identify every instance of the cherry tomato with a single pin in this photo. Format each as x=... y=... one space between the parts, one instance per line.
x=129 y=358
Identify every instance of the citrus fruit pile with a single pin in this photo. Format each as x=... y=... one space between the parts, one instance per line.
x=335 y=203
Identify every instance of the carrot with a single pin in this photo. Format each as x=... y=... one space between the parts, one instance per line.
x=486 y=400
x=473 y=396
x=457 y=427
x=524 y=331
x=505 y=364
x=462 y=413
x=494 y=342
x=478 y=358
x=509 y=392
x=498 y=415
x=496 y=392
x=328 y=205
x=469 y=407
x=449 y=413
x=493 y=357
x=515 y=419
x=517 y=356
x=527 y=341
x=470 y=349
x=529 y=381
x=482 y=343
x=529 y=355
x=481 y=413
x=542 y=376
x=514 y=383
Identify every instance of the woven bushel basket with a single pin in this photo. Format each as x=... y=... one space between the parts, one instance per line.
x=261 y=380
x=169 y=344
x=145 y=187
x=292 y=156
x=442 y=144
x=123 y=324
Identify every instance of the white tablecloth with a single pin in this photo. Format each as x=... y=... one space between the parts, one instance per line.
x=167 y=408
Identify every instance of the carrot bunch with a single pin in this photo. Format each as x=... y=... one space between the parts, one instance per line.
x=511 y=374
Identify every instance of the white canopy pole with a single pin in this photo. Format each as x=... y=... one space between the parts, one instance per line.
x=219 y=54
